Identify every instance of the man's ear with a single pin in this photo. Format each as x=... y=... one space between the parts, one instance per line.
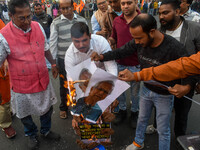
x=10 y=15
x=152 y=32
x=90 y=35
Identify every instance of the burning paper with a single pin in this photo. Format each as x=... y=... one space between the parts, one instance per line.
x=82 y=71
x=101 y=91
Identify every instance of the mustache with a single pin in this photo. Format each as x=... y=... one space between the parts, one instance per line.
x=82 y=48
x=162 y=20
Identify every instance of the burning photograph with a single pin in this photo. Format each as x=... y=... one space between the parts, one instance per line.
x=80 y=75
x=87 y=106
x=93 y=90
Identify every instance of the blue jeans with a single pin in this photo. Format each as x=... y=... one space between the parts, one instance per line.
x=30 y=128
x=135 y=88
x=163 y=105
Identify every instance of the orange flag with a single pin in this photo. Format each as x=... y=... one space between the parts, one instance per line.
x=80 y=7
x=75 y=5
x=142 y=4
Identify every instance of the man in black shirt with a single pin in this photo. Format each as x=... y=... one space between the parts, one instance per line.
x=186 y=32
x=44 y=19
x=154 y=48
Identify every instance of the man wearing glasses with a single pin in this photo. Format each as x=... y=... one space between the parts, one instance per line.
x=60 y=39
x=97 y=18
x=24 y=45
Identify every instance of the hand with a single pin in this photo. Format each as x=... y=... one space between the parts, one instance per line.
x=76 y=127
x=197 y=88
x=96 y=57
x=99 y=121
x=112 y=43
x=104 y=32
x=5 y=67
x=107 y=131
x=179 y=90
x=54 y=72
x=74 y=123
x=126 y=75
x=108 y=117
x=114 y=105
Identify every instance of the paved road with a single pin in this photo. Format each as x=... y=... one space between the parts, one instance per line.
x=123 y=133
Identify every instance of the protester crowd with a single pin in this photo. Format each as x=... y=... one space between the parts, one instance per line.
x=125 y=39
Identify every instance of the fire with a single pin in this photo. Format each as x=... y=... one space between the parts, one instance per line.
x=69 y=84
x=71 y=101
x=93 y=138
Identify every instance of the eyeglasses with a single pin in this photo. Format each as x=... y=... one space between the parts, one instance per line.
x=22 y=18
x=101 y=3
x=66 y=8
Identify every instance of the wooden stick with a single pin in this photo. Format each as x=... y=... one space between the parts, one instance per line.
x=79 y=81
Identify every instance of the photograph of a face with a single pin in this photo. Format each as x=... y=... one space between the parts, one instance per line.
x=95 y=95
x=82 y=71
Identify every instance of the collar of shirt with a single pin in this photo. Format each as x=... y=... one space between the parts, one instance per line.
x=118 y=13
x=89 y=51
x=191 y=12
x=122 y=17
x=28 y=30
x=187 y=14
x=64 y=18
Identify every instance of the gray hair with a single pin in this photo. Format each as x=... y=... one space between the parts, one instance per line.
x=105 y=81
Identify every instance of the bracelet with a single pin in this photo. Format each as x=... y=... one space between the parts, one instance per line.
x=54 y=65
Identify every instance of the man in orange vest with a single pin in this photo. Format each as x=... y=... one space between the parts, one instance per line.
x=5 y=114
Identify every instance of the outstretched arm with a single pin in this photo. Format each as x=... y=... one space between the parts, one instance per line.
x=180 y=68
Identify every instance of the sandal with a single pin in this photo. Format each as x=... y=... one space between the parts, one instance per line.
x=63 y=114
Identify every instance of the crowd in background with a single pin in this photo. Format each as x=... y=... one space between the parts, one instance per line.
x=113 y=25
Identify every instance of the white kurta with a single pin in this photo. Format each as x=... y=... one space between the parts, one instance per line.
x=29 y=104
x=33 y=104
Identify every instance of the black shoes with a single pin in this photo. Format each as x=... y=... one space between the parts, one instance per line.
x=120 y=117
x=133 y=119
x=51 y=136
x=33 y=142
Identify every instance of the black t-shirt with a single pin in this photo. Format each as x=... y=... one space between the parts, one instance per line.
x=170 y=49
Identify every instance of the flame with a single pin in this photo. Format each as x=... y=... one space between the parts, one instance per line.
x=71 y=101
x=93 y=138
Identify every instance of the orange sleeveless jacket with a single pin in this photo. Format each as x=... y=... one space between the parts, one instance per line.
x=4 y=80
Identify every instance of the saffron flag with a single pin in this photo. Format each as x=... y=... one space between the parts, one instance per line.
x=80 y=7
x=75 y=6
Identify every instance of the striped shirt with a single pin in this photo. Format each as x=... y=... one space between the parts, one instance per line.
x=60 y=37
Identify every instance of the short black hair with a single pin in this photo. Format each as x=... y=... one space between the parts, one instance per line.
x=174 y=3
x=146 y=21
x=37 y=4
x=189 y=2
x=17 y=3
x=78 y=29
